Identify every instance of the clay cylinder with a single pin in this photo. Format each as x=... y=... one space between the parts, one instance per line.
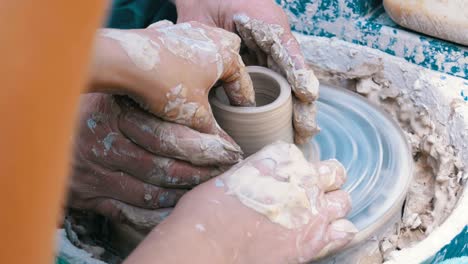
x=255 y=127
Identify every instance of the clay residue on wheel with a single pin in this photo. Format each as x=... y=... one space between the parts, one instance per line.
x=439 y=174
x=437 y=178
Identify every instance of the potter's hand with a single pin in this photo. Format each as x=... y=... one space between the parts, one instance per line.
x=264 y=28
x=169 y=69
x=127 y=161
x=273 y=207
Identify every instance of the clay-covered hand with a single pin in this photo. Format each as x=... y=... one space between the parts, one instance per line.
x=265 y=30
x=127 y=163
x=169 y=69
x=273 y=207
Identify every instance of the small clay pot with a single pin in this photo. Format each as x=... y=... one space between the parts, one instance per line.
x=255 y=127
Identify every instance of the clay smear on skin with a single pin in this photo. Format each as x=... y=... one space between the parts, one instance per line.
x=143 y=51
x=177 y=108
x=272 y=183
x=201 y=151
x=191 y=43
x=432 y=194
x=204 y=150
x=181 y=111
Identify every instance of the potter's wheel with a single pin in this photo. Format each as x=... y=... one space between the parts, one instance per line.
x=373 y=150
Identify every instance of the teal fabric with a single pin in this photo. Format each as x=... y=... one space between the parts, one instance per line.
x=127 y=14
x=454 y=252
x=462 y=260
x=59 y=260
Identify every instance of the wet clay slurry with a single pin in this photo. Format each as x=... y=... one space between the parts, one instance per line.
x=255 y=127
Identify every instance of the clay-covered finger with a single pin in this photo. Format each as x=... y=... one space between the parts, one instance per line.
x=338 y=204
x=249 y=41
x=204 y=121
x=125 y=213
x=123 y=187
x=339 y=233
x=272 y=65
x=302 y=79
x=331 y=174
x=236 y=81
x=281 y=45
x=177 y=141
x=304 y=121
x=238 y=87
x=119 y=153
x=171 y=173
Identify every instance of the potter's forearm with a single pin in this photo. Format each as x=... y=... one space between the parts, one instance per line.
x=111 y=70
x=174 y=242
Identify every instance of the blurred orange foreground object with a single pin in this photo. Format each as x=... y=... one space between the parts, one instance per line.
x=44 y=51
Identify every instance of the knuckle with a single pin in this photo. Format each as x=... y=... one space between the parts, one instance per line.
x=160 y=129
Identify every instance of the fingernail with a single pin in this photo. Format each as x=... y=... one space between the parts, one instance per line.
x=233 y=152
x=234 y=157
x=241 y=17
x=227 y=141
x=215 y=150
x=344 y=226
x=229 y=146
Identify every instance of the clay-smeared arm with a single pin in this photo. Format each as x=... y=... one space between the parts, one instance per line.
x=273 y=207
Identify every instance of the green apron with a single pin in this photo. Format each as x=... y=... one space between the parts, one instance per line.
x=127 y=14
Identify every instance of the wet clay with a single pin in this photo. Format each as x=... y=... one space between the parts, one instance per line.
x=282 y=198
x=269 y=121
x=279 y=183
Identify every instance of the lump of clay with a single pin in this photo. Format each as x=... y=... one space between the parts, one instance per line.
x=445 y=19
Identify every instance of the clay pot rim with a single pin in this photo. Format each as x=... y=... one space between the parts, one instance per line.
x=283 y=97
